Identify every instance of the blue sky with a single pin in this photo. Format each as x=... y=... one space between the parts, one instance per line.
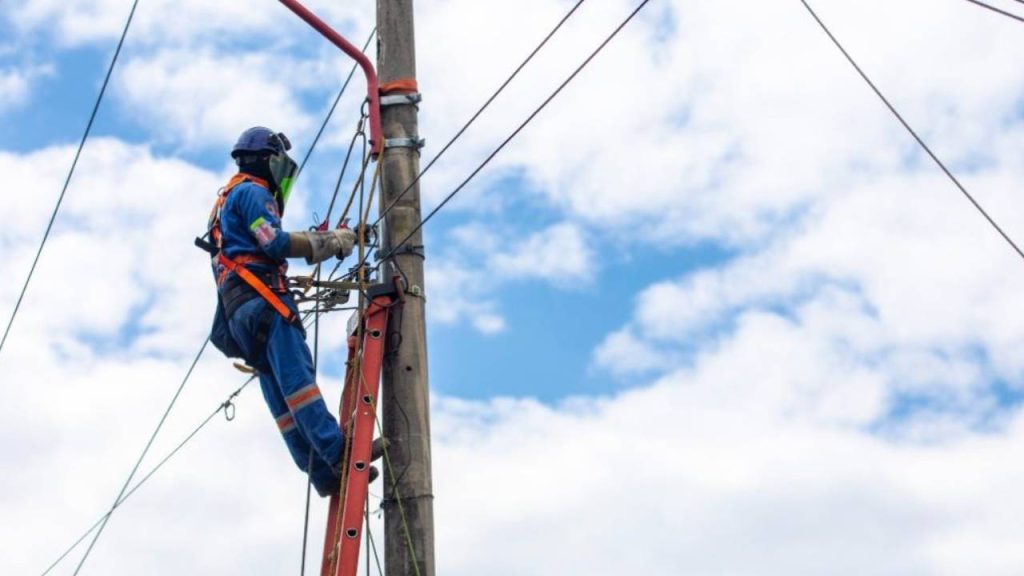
x=715 y=257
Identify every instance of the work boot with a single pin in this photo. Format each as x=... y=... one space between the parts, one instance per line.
x=324 y=492
x=379 y=446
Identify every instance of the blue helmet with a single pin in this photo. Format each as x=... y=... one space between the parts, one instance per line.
x=259 y=139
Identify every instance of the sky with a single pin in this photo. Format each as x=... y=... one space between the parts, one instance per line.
x=713 y=312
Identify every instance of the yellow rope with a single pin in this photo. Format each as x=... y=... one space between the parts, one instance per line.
x=356 y=363
x=398 y=497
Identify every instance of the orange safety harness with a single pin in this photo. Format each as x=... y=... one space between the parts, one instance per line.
x=237 y=264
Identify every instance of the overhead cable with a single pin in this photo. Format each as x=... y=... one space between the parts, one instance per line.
x=330 y=112
x=997 y=10
x=515 y=132
x=138 y=462
x=913 y=133
x=222 y=408
x=480 y=111
x=71 y=172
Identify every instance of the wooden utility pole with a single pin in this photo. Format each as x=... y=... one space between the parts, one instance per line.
x=408 y=505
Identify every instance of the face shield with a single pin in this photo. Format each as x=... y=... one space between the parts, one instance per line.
x=283 y=169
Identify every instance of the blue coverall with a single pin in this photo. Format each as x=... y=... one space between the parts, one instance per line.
x=250 y=224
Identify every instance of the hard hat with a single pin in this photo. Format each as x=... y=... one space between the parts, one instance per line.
x=259 y=139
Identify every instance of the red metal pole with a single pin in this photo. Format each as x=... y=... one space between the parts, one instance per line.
x=372 y=87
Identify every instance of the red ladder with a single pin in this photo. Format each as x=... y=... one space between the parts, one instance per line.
x=359 y=401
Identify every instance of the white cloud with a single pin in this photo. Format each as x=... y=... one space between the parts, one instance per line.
x=768 y=445
x=13 y=88
x=559 y=254
x=16 y=84
x=727 y=144
x=623 y=353
x=198 y=81
x=716 y=472
x=162 y=22
x=203 y=99
x=477 y=262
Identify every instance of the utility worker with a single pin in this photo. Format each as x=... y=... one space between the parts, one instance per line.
x=257 y=319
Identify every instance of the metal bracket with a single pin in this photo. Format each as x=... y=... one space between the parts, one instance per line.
x=405 y=249
x=415 y=143
x=412 y=250
x=400 y=99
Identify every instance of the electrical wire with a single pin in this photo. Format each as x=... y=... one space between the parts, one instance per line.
x=223 y=407
x=71 y=172
x=371 y=543
x=515 y=132
x=911 y=131
x=317 y=312
x=330 y=113
x=997 y=10
x=480 y=111
x=309 y=462
x=138 y=462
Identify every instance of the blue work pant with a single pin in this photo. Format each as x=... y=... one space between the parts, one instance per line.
x=289 y=387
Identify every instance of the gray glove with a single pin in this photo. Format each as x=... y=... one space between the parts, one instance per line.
x=319 y=246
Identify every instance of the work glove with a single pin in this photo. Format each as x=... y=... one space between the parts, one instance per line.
x=316 y=246
x=346 y=239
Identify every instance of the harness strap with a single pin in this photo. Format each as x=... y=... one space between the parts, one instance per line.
x=260 y=288
x=276 y=280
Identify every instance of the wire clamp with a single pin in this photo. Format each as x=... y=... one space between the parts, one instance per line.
x=416 y=292
x=411 y=250
x=401 y=99
x=415 y=143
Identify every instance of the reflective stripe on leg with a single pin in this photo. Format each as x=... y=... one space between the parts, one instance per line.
x=285 y=423
x=303 y=397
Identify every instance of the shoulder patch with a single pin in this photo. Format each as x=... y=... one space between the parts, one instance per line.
x=263 y=231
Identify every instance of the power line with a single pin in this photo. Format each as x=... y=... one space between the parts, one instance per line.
x=71 y=172
x=998 y=10
x=138 y=462
x=123 y=495
x=912 y=132
x=516 y=132
x=223 y=407
x=309 y=461
x=330 y=113
x=486 y=104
